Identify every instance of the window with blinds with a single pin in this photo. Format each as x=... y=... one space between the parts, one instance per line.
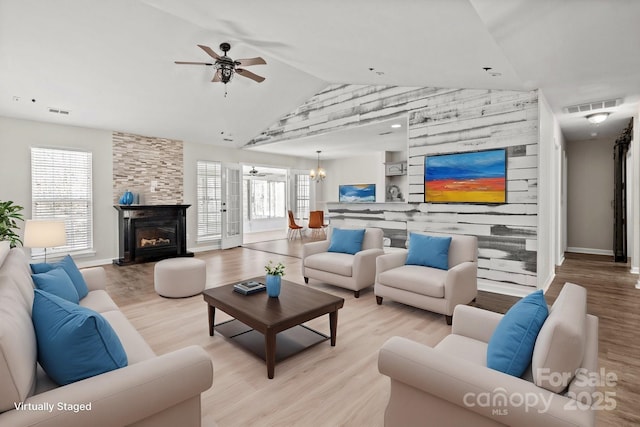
x=61 y=188
x=302 y=196
x=209 y=200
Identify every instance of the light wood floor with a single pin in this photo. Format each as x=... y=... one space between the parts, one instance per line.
x=341 y=386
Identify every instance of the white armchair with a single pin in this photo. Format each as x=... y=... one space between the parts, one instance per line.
x=451 y=385
x=355 y=272
x=431 y=288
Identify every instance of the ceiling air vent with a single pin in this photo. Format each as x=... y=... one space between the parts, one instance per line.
x=58 y=111
x=591 y=106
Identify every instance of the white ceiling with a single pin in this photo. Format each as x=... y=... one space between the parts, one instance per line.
x=111 y=63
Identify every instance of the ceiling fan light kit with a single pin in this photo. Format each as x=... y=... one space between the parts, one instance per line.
x=226 y=67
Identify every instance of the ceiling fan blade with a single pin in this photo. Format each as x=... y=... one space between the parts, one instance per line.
x=250 y=61
x=217 y=77
x=193 y=63
x=209 y=51
x=249 y=75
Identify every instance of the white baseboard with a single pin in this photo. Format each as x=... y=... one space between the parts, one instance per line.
x=590 y=251
x=504 y=289
x=94 y=263
x=634 y=270
x=197 y=249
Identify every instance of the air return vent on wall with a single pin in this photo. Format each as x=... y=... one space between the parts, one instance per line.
x=590 y=106
x=58 y=111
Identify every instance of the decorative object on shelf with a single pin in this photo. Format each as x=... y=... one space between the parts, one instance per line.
x=274 y=278
x=357 y=193
x=9 y=215
x=394 y=194
x=395 y=168
x=318 y=174
x=473 y=177
x=44 y=234
x=127 y=198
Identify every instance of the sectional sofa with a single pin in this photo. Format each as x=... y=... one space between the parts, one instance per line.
x=152 y=390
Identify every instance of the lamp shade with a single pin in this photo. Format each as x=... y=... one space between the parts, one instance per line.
x=44 y=233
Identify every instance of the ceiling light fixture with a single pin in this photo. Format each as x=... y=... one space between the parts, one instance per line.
x=396 y=125
x=597 y=117
x=318 y=174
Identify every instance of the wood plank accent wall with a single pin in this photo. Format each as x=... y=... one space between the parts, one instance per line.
x=442 y=120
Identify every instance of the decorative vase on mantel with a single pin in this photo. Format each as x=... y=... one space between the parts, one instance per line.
x=127 y=198
x=273 y=285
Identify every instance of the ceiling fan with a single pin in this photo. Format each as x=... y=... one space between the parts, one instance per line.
x=226 y=67
x=254 y=172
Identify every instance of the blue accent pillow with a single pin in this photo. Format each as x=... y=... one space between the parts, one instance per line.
x=57 y=282
x=72 y=270
x=511 y=346
x=74 y=342
x=428 y=251
x=346 y=241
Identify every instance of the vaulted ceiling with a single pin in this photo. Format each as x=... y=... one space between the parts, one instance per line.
x=110 y=64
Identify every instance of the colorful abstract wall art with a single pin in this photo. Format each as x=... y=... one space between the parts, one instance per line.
x=357 y=193
x=476 y=177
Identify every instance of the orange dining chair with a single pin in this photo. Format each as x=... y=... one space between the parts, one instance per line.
x=293 y=228
x=316 y=223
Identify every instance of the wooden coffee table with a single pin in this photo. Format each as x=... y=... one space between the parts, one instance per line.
x=262 y=322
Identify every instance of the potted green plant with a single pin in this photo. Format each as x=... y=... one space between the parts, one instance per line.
x=10 y=214
x=274 y=278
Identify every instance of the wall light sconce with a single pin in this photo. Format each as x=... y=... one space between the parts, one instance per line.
x=597 y=118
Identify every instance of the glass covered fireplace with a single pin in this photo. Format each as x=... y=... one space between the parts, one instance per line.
x=151 y=232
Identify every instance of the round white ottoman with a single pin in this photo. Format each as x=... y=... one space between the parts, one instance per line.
x=180 y=277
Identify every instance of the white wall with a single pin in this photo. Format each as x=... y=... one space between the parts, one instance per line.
x=17 y=136
x=590 y=194
x=365 y=169
x=16 y=139
x=548 y=186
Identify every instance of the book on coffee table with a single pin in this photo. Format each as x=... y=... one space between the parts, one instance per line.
x=249 y=287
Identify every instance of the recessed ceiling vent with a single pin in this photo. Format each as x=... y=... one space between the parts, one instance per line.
x=385 y=133
x=58 y=111
x=591 y=106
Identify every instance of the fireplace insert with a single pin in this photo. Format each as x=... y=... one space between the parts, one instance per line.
x=151 y=232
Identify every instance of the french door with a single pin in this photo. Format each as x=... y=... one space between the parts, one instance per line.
x=231 y=210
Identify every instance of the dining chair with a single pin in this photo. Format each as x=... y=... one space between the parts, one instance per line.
x=316 y=224
x=293 y=228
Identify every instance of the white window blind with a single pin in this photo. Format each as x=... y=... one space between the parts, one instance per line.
x=209 y=175
x=61 y=188
x=302 y=196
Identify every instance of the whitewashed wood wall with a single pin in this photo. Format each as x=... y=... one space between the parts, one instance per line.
x=443 y=121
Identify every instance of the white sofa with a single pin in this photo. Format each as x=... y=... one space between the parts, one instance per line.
x=151 y=391
x=451 y=385
x=354 y=272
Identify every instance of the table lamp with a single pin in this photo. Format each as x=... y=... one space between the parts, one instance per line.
x=44 y=234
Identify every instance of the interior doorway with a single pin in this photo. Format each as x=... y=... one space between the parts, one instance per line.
x=264 y=195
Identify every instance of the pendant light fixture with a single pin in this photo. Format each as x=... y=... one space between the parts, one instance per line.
x=318 y=174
